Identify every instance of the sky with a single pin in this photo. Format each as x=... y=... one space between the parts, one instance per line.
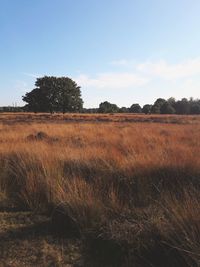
x=121 y=51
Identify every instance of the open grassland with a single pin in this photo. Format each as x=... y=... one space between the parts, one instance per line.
x=99 y=190
x=11 y=118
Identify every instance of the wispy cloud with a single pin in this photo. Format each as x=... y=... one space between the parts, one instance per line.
x=120 y=62
x=162 y=69
x=33 y=75
x=112 y=80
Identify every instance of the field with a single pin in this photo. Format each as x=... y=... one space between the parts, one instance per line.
x=99 y=190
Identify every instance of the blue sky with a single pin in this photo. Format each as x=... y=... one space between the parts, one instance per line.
x=130 y=51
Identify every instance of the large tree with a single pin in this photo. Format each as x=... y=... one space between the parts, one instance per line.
x=54 y=94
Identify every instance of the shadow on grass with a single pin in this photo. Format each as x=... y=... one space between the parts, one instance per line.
x=97 y=252
x=35 y=230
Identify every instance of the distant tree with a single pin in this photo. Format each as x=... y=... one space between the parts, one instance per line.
x=157 y=105
x=54 y=94
x=123 y=110
x=182 y=106
x=135 y=108
x=172 y=101
x=195 y=107
x=90 y=110
x=147 y=109
x=11 y=109
x=106 y=107
x=167 y=108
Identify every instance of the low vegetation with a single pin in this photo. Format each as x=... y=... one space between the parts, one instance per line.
x=126 y=189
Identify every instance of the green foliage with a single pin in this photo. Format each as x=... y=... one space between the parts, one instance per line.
x=157 y=105
x=123 y=110
x=147 y=109
x=135 y=108
x=167 y=108
x=54 y=94
x=171 y=101
x=195 y=108
x=182 y=106
x=106 y=107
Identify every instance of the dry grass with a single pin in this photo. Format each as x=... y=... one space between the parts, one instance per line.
x=126 y=188
x=10 y=118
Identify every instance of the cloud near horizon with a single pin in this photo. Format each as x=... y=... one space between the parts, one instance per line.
x=32 y=75
x=141 y=74
x=112 y=80
x=162 y=69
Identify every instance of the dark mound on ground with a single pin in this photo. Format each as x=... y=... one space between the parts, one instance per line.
x=41 y=136
x=62 y=223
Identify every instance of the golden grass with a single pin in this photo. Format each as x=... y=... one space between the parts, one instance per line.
x=129 y=183
x=8 y=118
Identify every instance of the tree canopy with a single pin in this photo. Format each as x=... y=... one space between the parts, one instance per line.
x=135 y=108
x=107 y=107
x=52 y=94
x=146 y=109
x=156 y=108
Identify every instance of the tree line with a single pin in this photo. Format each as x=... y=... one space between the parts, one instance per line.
x=160 y=106
x=62 y=94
